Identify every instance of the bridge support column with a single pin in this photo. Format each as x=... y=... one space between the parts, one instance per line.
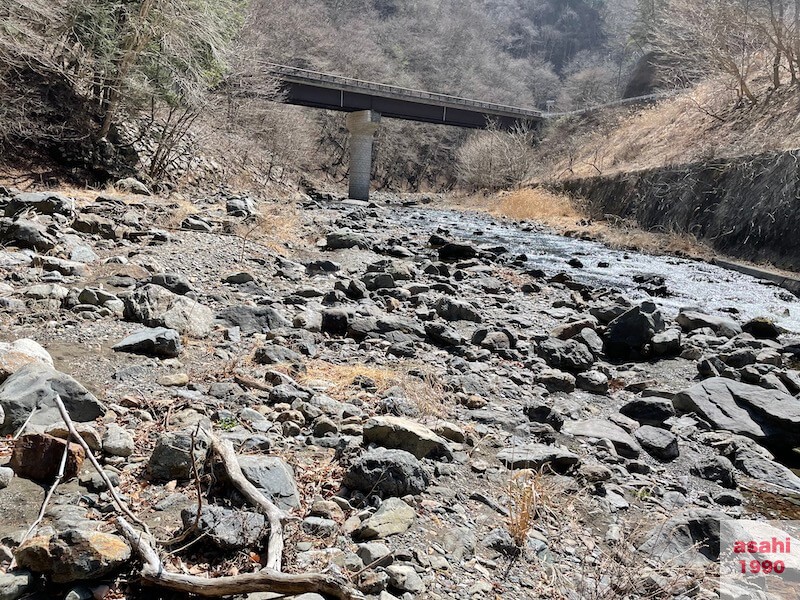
x=362 y=126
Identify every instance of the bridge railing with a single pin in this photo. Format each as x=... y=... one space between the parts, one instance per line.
x=360 y=84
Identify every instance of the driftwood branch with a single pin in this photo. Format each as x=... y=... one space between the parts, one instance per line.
x=153 y=571
x=275 y=516
x=110 y=486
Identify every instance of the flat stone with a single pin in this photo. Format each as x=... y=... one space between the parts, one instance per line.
x=690 y=320
x=770 y=416
x=602 y=429
x=659 y=443
x=228 y=529
x=155 y=306
x=649 y=411
x=274 y=477
x=397 y=432
x=159 y=341
x=536 y=456
x=393 y=517
x=118 y=441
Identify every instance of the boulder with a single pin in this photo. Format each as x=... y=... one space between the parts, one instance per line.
x=536 y=456
x=691 y=539
x=159 y=341
x=253 y=319
x=393 y=517
x=659 y=443
x=133 y=186
x=274 y=477
x=339 y=240
x=73 y=555
x=605 y=430
x=455 y=251
x=38 y=456
x=172 y=457
x=387 y=472
x=396 y=432
x=118 y=441
x=155 y=306
x=457 y=310
x=770 y=416
x=226 y=528
x=36 y=385
x=565 y=355
x=27 y=234
x=649 y=411
x=174 y=282
x=19 y=353
x=689 y=320
x=630 y=334
x=43 y=203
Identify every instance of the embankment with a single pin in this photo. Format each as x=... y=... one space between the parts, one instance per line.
x=745 y=207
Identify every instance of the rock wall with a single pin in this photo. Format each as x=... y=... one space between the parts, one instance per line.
x=746 y=207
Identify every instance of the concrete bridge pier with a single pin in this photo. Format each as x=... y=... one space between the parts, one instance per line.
x=362 y=126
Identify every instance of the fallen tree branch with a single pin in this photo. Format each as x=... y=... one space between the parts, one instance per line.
x=110 y=486
x=153 y=571
x=275 y=516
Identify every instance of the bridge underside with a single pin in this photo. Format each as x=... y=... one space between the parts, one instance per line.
x=315 y=96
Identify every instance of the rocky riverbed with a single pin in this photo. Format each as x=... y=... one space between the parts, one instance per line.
x=439 y=405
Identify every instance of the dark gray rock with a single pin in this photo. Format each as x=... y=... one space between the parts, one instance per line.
x=240 y=207
x=272 y=354
x=690 y=320
x=155 y=306
x=455 y=251
x=690 y=539
x=443 y=335
x=274 y=477
x=43 y=203
x=387 y=472
x=174 y=282
x=602 y=429
x=253 y=319
x=536 y=456
x=717 y=469
x=649 y=411
x=26 y=234
x=335 y=322
x=764 y=469
x=457 y=310
x=172 y=456
x=158 y=341
x=659 y=443
x=762 y=328
x=769 y=416
x=37 y=384
x=630 y=335
x=228 y=529
x=396 y=432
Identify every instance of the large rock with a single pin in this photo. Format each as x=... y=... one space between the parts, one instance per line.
x=253 y=319
x=15 y=584
x=565 y=355
x=770 y=416
x=765 y=470
x=36 y=385
x=339 y=240
x=630 y=334
x=393 y=517
x=659 y=443
x=396 y=432
x=38 y=456
x=457 y=310
x=17 y=354
x=649 y=411
x=387 y=473
x=155 y=306
x=536 y=456
x=274 y=477
x=27 y=234
x=158 y=341
x=172 y=458
x=44 y=203
x=73 y=555
x=226 y=528
x=691 y=539
x=602 y=429
x=689 y=320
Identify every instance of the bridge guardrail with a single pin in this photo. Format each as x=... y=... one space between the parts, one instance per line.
x=317 y=76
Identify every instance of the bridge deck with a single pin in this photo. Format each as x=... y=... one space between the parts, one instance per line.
x=333 y=92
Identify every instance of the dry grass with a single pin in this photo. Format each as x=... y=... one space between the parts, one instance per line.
x=276 y=226
x=527 y=494
x=345 y=380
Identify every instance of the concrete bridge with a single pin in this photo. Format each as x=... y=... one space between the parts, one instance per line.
x=367 y=102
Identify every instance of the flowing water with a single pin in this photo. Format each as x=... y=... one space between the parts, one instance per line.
x=691 y=283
